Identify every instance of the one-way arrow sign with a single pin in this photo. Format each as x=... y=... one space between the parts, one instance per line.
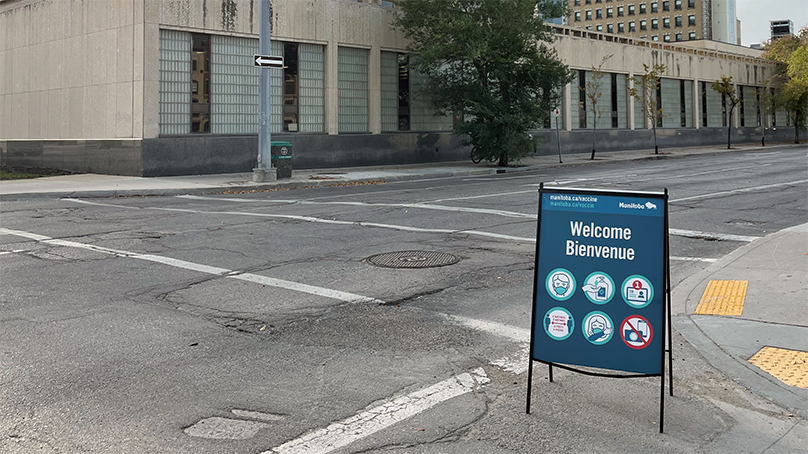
x=267 y=61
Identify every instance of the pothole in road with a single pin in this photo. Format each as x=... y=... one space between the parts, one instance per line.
x=412 y=259
x=744 y=222
x=219 y=428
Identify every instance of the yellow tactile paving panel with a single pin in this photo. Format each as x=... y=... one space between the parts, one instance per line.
x=788 y=366
x=723 y=298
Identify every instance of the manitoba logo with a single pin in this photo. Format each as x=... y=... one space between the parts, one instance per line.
x=637 y=206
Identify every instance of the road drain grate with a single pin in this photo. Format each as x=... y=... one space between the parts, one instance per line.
x=412 y=259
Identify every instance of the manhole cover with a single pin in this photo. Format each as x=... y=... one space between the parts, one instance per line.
x=413 y=259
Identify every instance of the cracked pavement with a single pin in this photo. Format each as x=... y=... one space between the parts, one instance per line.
x=109 y=353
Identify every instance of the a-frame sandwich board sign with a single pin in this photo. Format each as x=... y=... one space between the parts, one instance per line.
x=601 y=293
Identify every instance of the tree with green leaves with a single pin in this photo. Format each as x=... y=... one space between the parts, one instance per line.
x=593 y=94
x=646 y=95
x=792 y=54
x=488 y=62
x=730 y=96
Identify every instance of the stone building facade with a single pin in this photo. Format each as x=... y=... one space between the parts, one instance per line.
x=168 y=87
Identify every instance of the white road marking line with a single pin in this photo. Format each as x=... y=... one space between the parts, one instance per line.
x=289 y=285
x=694 y=259
x=426 y=206
x=499 y=329
x=304 y=288
x=737 y=191
x=361 y=425
x=483 y=196
x=329 y=221
x=712 y=236
x=517 y=363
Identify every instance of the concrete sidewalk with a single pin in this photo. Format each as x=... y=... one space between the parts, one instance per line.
x=775 y=315
x=775 y=312
x=92 y=185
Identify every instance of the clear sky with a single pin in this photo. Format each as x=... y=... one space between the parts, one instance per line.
x=756 y=14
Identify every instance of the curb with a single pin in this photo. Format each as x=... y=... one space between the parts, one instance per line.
x=736 y=368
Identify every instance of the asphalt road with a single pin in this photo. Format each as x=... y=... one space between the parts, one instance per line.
x=253 y=322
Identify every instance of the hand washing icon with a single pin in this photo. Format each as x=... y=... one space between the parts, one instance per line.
x=599 y=288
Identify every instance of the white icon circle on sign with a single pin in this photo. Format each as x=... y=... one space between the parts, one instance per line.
x=598 y=287
x=636 y=332
x=560 y=284
x=637 y=291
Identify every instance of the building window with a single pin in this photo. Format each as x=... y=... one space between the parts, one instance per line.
x=588 y=2
x=577 y=16
x=691 y=3
x=599 y=27
x=655 y=38
x=666 y=22
x=609 y=11
x=395 y=92
x=691 y=20
x=291 y=90
x=620 y=27
x=666 y=5
x=589 y=14
x=740 y=106
x=642 y=8
x=631 y=27
x=577 y=2
x=643 y=25
x=614 y=101
x=598 y=14
x=678 y=21
x=654 y=24
x=659 y=102
x=666 y=37
x=723 y=110
x=678 y=37
x=598 y=1
x=581 y=98
x=619 y=11
x=589 y=27
x=610 y=28
x=704 y=104
x=677 y=4
x=234 y=82
x=200 y=73
x=352 y=82
x=653 y=7
x=176 y=84
x=630 y=10
x=691 y=36
x=682 y=104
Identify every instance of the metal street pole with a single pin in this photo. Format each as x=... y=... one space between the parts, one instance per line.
x=558 y=135
x=264 y=171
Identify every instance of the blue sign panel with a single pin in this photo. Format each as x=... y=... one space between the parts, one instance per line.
x=599 y=298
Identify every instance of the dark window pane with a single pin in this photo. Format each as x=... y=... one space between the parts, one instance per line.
x=200 y=83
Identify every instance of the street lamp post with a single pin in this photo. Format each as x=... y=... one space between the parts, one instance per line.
x=264 y=171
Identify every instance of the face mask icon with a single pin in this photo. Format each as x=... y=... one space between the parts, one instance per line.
x=560 y=284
